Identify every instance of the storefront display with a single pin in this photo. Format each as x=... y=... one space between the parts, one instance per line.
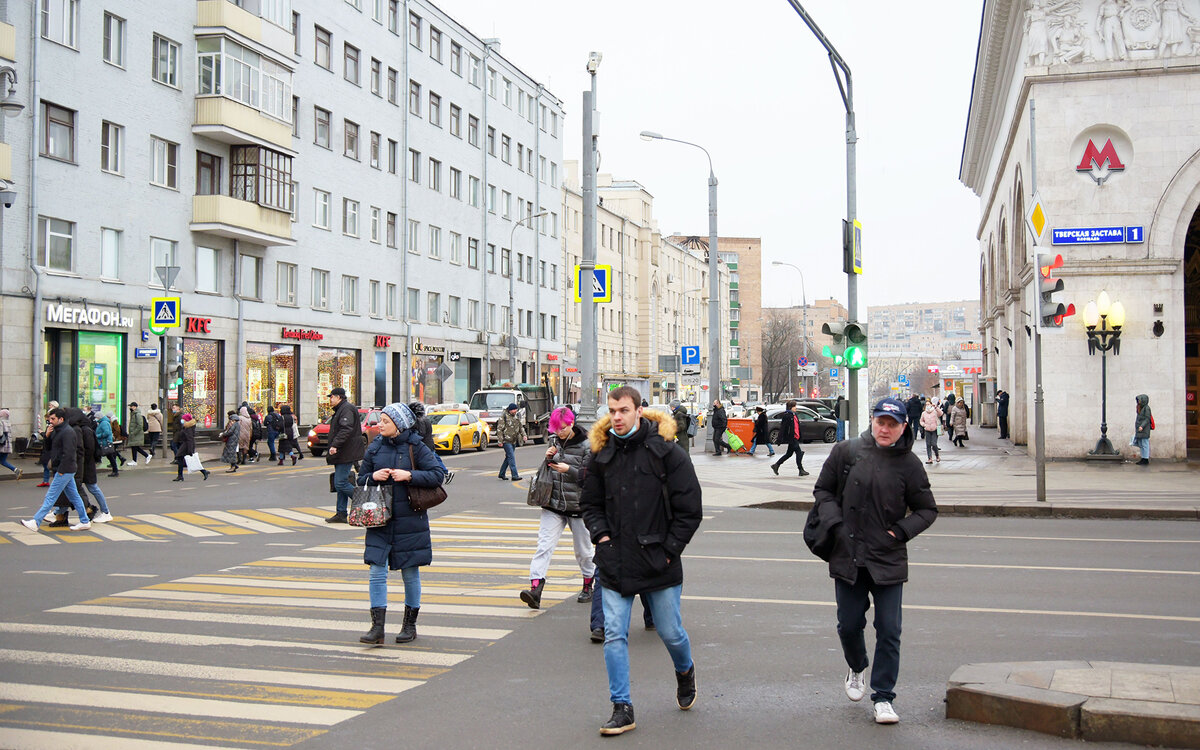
x=271 y=375
x=336 y=368
x=86 y=369
x=200 y=393
x=428 y=371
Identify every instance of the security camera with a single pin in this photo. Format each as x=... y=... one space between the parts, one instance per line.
x=7 y=197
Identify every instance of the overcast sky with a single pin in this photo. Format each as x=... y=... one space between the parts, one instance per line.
x=750 y=83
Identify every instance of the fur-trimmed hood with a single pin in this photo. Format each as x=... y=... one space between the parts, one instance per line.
x=665 y=424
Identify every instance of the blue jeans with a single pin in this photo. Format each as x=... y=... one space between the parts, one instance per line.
x=754 y=444
x=852 y=604
x=4 y=462
x=271 y=435
x=597 y=614
x=510 y=459
x=99 y=495
x=1144 y=445
x=59 y=484
x=665 y=606
x=841 y=430
x=341 y=483
x=377 y=586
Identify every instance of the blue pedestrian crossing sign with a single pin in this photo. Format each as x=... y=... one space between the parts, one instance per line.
x=601 y=285
x=165 y=312
x=689 y=355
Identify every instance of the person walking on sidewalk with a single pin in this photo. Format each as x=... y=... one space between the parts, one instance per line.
x=136 y=430
x=1142 y=426
x=105 y=441
x=6 y=443
x=789 y=435
x=399 y=459
x=345 y=448
x=185 y=444
x=86 y=477
x=1002 y=413
x=762 y=433
x=913 y=408
x=879 y=490
x=64 y=462
x=719 y=423
x=959 y=416
x=44 y=455
x=229 y=440
x=154 y=428
x=565 y=460
x=683 y=423
x=273 y=423
x=289 y=441
x=510 y=431
x=930 y=419
x=642 y=503
x=245 y=432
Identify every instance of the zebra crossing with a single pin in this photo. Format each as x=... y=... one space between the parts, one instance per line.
x=261 y=653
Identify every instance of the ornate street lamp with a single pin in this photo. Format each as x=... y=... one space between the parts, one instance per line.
x=1104 y=320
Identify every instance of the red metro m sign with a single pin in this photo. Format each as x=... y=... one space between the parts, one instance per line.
x=1100 y=163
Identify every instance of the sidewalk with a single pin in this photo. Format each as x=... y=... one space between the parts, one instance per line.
x=989 y=477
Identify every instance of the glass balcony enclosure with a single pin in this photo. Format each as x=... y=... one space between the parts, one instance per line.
x=226 y=68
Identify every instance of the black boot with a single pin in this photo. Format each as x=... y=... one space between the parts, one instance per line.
x=375 y=634
x=59 y=520
x=586 y=594
x=685 y=694
x=1144 y=462
x=533 y=595
x=621 y=721
x=408 y=631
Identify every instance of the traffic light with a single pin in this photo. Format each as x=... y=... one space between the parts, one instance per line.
x=837 y=349
x=1051 y=310
x=856 y=345
x=174 y=361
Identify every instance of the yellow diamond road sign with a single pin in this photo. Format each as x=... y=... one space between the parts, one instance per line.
x=1036 y=219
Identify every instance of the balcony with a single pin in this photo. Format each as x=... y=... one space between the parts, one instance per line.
x=5 y=162
x=8 y=41
x=241 y=220
x=232 y=122
x=221 y=16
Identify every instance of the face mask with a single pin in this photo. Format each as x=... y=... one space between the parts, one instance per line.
x=629 y=434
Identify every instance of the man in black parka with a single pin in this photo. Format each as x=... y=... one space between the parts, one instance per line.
x=882 y=493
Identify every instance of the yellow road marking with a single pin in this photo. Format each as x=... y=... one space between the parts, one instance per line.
x=209 y=523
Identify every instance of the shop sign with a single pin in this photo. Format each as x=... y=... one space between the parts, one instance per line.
x=551 y=357
x=89 y=316
x=383 y=342
x=197 y=325
x=970 y=346
x=297 y=333
x=455 y=356
x=572 y=369
x=431 y=349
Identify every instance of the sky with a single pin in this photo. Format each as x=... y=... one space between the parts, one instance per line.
x=750 y=83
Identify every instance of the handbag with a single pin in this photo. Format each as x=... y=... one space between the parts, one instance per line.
x=540 y=488
x=691 y=430
x=370 y=505
x=421 y=499
x=352 y=477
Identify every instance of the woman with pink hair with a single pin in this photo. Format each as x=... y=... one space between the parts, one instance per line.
x=565 y=461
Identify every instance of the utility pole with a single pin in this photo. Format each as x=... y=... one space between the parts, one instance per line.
x=1039 y=405
x=587 y=264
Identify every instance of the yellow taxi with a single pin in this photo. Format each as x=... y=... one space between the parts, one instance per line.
x=455 y=430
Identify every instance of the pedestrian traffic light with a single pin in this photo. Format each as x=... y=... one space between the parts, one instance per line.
x=1051 y=311
x=856 y=345
x=836 y=350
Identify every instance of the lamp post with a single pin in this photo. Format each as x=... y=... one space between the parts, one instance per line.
x=1104 y=320
x=804 y=298
x=714 y=292
x=512 y=341
x=587 y=262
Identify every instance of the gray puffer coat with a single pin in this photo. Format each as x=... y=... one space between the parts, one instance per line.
x=229 y=454
x=575 y=452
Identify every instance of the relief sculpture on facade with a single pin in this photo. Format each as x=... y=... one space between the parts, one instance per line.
x=1059 y=32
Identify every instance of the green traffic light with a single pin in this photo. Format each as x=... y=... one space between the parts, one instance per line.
x=856 y=357
x=826 y=351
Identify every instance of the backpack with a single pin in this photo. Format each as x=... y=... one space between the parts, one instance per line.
x=145 y=425
x=256 y=430
x=820 y=531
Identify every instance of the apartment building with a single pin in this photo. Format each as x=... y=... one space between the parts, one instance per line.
x=934 y=330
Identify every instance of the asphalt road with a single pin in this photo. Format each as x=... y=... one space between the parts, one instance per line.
x=226 y=613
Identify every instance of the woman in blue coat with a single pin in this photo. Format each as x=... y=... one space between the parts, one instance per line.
x=402 y=544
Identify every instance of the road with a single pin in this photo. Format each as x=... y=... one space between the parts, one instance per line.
x=226 y=613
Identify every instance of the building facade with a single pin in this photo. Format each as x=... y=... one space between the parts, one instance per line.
x=360 y=194
x=1098 y=101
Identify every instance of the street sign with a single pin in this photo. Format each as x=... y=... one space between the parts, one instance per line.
x=803 y=361
x=443 y=372
x=601 y=285
x=1036 y=220
x=833 y=372
x=455 y=356
x=1089 y=235
x=165 y=312
x=689 y=355
x=903 y=379
x=690 y=380
x=167 y=274
x=145 y=353
x=1135 y=234
x=809 y=370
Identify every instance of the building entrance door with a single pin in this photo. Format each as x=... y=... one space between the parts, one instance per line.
x=1191 y=306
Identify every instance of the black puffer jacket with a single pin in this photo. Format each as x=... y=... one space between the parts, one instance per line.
x=719 y=420
x=623 y=500
x=574 y=452
x=86 y=453
x=886 y=489
x=63 y=448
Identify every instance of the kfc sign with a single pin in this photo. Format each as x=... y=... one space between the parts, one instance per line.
x=383 y=342
x=197 y=325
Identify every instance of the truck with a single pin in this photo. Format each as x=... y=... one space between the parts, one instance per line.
x=534 y=404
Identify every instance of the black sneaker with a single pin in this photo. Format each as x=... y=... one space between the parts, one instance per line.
x=597 y=635
x=621 y=721
x=336 y=518
x=685 y=694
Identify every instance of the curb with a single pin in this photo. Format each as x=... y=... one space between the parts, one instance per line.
x=1026 y=510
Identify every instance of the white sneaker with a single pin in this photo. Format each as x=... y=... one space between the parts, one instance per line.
x=82 y=526
x=29 y=524
x=856 y=685
x=102 y=518
x=885 y=714
x=148 y=460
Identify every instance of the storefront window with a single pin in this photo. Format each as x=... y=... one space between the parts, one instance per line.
x=200 y=394
x=271 y=375
x=426 y=378
x=100 y=377
x=336 y=368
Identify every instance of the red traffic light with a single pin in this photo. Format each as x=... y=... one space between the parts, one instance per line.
x=1057 y=262
x=1058 y=319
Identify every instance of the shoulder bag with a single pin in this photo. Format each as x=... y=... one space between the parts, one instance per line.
x=421 y=499
x=370 y=505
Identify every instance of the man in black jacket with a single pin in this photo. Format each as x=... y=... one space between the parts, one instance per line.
x=762 y=433
x=719 y=423
x=879 y=487
x=914 y=407
x=1002 y=413
x=345 y=447
x=641 y=503
x=789 y=435
x=64 y=463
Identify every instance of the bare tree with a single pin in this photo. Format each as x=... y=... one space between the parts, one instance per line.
x=782 y=347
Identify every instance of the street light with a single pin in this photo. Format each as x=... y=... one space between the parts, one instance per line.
x=714 y=293
x=9 y=104
x=512 y=341
x=804 y=298
x=1104 y=320
x=587 y=261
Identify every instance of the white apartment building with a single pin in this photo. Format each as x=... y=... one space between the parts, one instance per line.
x=338 y=185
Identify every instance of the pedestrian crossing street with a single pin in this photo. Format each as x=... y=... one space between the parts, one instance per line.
x=264 y=653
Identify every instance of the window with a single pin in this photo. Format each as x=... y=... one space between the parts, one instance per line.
x=508 y=92
x=554 y=276
x=413 y=303
x=435 y=242
x=473 y=130
x=285 y=283
x=114 y=40
x=456 y=248
x=521 y=156
x=541 y=273
x=435 y=175
x=393 y=85
x=474 y=184
x=435 y=44
x=476 y=71
x=492 y=82
x=112 y=140
x=529 y=108
x=375 y=150
x=226 y=68
x=505 y=262
x=414 y=30
x=491 y=140
x=208 y=174
x=393 y=155
x=473 y=253
x=473 y=314
x=357 y=4
x=453 y=306
x=207 y=269
x=506 y=149
x=350 y=294
x=541 y=325
x=322 y=43
x=376 y=223
x=295 y=117
x=166 y=61
x=435 y=109
x=491 y=198
x=162 y=253
x=110 y=254
x=414 y=165
x=507 y=204
x=58 y=132
x=296 y=33
x=491 y=310
x=455 y=183
x=350 y=147
x=261 y=176
x=320 y=209
x=350 y=63
x=60 y=21
x=554 y=328
x=164 y=163
x=376 y=77
x=505 y=320
x=414 y=98
x=456 y=58
x=349 y=217
x=320 y=289
x=455 y=121
x=414 y=236
x=542 y=168
x=520 y=266
x=377 y=10
x=373 y=298
x=553 y=174
x=321 y=119
x=251 y=277
x=394 y=16
x=434 y=311
x=391 y=229
x=491 y=258
x=56 y=241
x=529 y=161
x=392 y=301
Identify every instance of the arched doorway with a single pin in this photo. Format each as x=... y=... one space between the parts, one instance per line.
x=1191 y=306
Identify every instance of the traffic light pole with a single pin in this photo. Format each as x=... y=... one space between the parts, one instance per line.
x=1039 y=405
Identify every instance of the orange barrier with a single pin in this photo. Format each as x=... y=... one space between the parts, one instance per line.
x=744 y=429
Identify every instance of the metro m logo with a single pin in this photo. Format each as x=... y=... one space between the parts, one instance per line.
x=1094 y=161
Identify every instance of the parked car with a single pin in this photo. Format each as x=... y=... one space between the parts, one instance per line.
x=813 y=426
x=820 y=407
x=454 y=429
x=318 y=436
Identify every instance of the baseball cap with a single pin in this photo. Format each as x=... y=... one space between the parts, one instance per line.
x=891 y=407
x=339 y=391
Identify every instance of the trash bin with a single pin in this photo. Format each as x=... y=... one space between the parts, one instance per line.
x=744 y=429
